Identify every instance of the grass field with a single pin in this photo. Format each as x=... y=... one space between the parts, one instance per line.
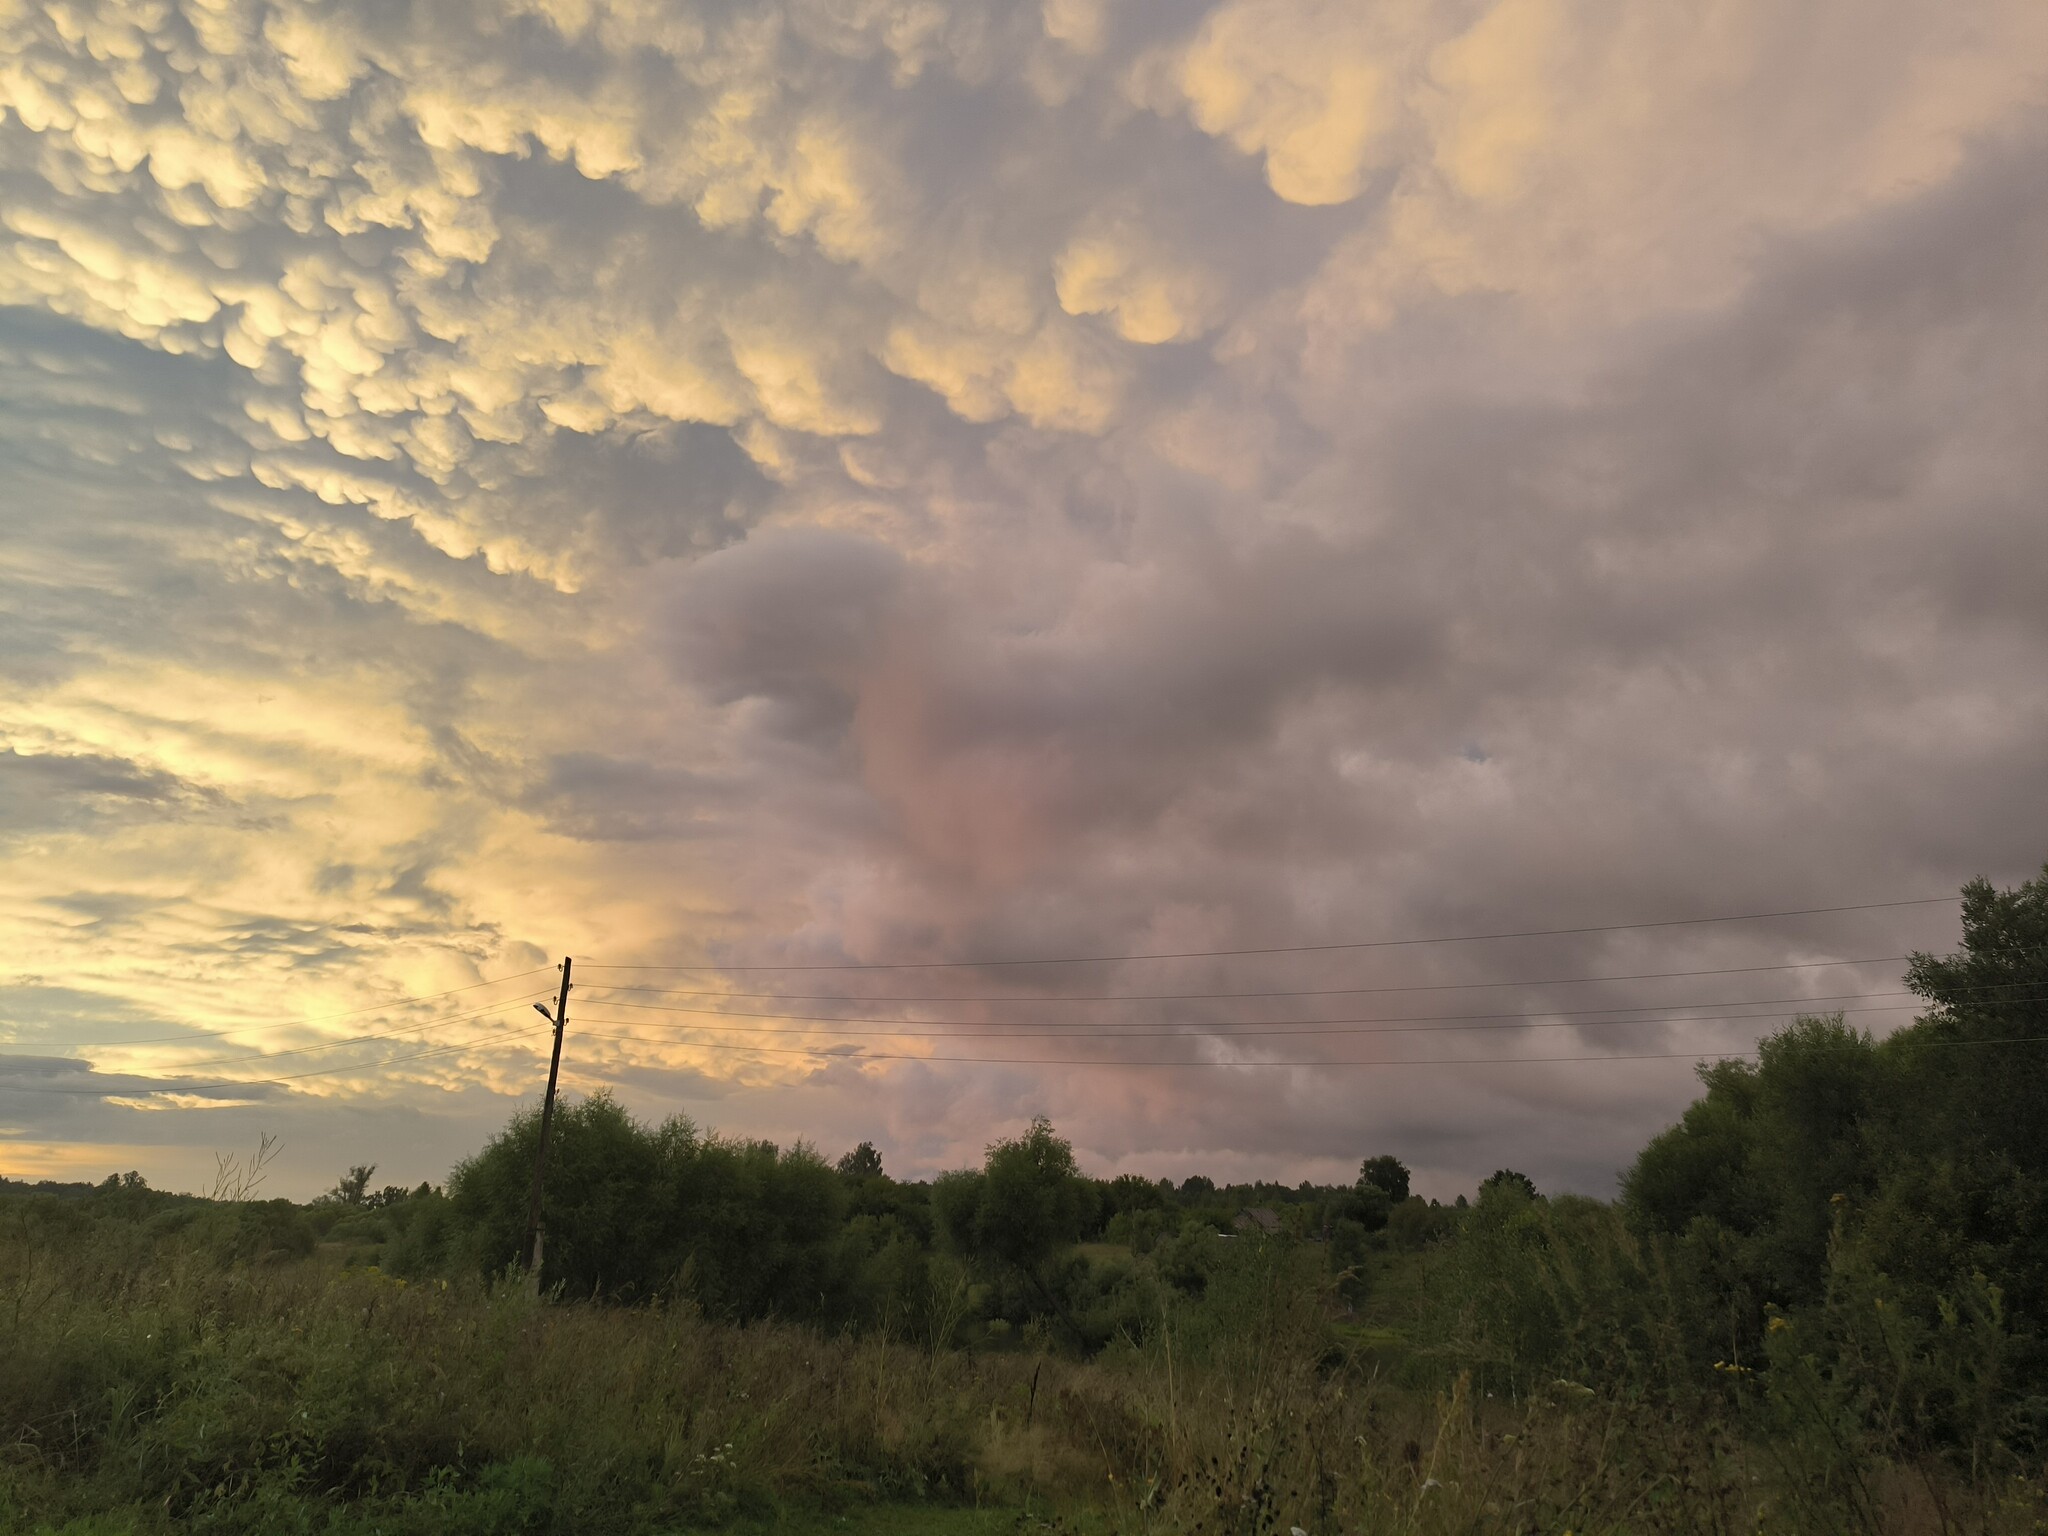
x=874 y=1520
x=902 y=1520
x=155 y=1388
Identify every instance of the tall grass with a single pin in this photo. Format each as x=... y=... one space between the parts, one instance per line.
x=189 y=1377
x=222 y=1394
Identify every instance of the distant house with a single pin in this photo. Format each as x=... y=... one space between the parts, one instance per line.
x=1257 y=1220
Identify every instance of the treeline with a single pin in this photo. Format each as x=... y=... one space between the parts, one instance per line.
x=1024 y=1246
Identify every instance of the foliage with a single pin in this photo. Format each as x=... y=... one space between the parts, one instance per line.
x=861 y=1164
x=1417 y=1222
x=148 y=1372
x=1386 y=1173
x=155 y=1385
x=353 y=1187
x=635 y=1212
x=1366 y=1204
x=1507 y=1180
x=1925 y=1155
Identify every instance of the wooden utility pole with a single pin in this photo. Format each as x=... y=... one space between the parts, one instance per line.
x=547 y=1120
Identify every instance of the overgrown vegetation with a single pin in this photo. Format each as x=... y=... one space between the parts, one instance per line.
x=1819 y=1306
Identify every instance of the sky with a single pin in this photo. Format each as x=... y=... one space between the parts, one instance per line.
x=719 y=488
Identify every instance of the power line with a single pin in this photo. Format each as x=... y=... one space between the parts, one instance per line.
x=1124 y=1062
x=1391 y=1018
x=1288 y=949
x=1163 y=997
x=446 y=1020
x=947 y=1028
x=318 y=1018
x=1276 y=1029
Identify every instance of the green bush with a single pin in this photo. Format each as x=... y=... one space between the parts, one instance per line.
x=635 y=1212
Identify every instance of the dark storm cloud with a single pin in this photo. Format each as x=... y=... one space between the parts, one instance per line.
x=33 y=1088
x=793 y=619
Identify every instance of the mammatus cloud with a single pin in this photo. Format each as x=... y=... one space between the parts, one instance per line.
x=823 y=482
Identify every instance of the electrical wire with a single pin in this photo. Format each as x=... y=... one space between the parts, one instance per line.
x=1288 y=949
x=1124 y=1062
x=1203 y=997
x=1162 y=997
x=1279 y=1029
x=942 y=1029
x=1392 y=1018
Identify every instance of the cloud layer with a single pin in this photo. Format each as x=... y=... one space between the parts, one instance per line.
x=848 y=480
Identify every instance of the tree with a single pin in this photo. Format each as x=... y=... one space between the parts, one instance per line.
x=755 y=1228
x=1347 y=1258
x=1765 y=1156
x=1389 y=1173
x=1704 y=1165
x=1964 y=1143
x=1030 y=1198
x=1132 y=1192
x=1819 y=1083
x=607 y=1209
x=1017 y=1218
x=1991 y=997
x=956 y=1210
x=1919 y=1162
x=863 y=1162
x=1299 y=1221
x=1414 y=1223
x=1504 y=1179
x=353 y=1187
x=633 y=1211
x=1367 y=1204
